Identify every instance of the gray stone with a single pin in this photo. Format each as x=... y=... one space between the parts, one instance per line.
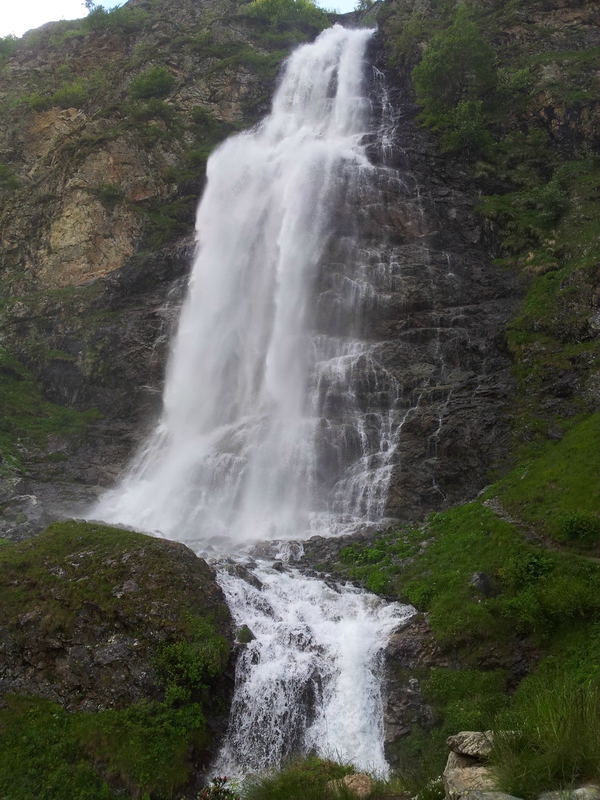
x=465 y=774
x=589 y=792
x=484 y=584
x=472 y=743
x=479 y=795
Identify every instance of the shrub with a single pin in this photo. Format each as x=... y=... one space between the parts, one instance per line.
x=8 y=45
x=125 y=19
x=581 y=528
x=457 y=65
x=289 y=13
x=188 y=666
x=70 y=95
x=528 y=567
x=8 y=181
x=466 y=128
x=218 y=790
x=109 y=194
x=157 y=82
x=303 y=779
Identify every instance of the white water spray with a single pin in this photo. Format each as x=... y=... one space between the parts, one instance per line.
x=272 y=425
x=247 y=445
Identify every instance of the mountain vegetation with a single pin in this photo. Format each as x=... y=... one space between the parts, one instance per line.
x=107 y=124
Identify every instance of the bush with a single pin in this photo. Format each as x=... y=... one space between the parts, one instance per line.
x=284 y=14
x=304 y=779
x=457 y=65
x=125 y=19
x=581 y=528
x=109 y=194
x=157 y=82
x=218 y=790
x=8 y=181
x=73 y=95
x=466 y=129
x=186 y=667
x=8 y=45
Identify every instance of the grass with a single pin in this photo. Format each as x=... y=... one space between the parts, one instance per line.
x=551 y=737
x=546 y=493
x=47 y=753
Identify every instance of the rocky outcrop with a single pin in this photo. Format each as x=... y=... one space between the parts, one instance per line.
x=410 y=653
x=88 y=615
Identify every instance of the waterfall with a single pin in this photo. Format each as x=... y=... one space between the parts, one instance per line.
x=279 y=421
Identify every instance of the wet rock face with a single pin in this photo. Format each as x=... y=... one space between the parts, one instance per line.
x=433 y=319
x=430 y=306
x=410 y=650
x=89 y=609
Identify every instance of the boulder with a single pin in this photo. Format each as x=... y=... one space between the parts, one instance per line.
x=359 y=784
x=464 y=775
x=477 y=744
x=589 y=792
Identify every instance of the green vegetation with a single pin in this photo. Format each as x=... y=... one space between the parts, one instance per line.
x=109 y=194
x=26 y=419
x=551 y=736
x=157 y=82
x=558 y=493
x=188 y=666
x=8 y=45
x=456 y=71
x=47 y=753
x=284 y=14
x=147 y=748
x=305 y=779
x=8 y=180
x=70 y=95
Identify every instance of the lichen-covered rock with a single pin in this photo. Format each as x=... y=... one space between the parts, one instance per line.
x=88 y=615
x=464 y=774
x=477 y=744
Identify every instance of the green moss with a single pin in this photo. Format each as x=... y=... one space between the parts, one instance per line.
x=26 y=419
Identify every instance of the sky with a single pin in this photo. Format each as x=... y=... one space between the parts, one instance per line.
x=18 y=16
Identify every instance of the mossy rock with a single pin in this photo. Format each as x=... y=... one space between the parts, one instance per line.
x=99 y=612
x=127 y=632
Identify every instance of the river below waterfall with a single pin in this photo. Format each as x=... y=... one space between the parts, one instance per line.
x=280 y=420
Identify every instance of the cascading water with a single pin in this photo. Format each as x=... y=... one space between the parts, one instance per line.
x=279 y=421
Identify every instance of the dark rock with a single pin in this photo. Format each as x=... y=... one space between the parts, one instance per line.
x=411 y=648
x=484 y=584
x=100 y=651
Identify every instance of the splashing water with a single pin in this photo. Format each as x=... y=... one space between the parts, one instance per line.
x=316 y=643
x=272 y=426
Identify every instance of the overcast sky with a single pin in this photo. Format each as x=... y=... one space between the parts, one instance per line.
x=18 y=16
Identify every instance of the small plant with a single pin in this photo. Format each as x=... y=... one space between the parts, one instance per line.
x=73 y=95
x=218 y=790
x=109 y=194
x=581 y=528
x=157 y=82
x=303 y=779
